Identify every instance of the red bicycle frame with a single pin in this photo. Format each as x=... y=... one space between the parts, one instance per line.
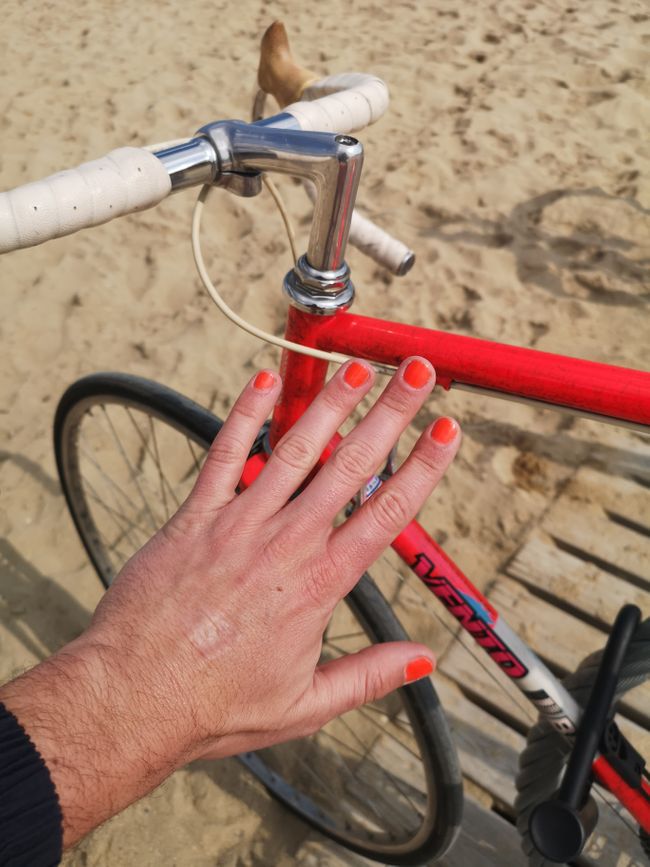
x=600 y=390
x=612 y=393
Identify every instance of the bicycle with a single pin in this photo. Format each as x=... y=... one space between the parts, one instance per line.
x=233 y=155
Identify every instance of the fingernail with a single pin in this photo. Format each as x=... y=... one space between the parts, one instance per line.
x=417 y=669
x=444 y=430
x=264 y=381
x=417 y=374
x=356 y=374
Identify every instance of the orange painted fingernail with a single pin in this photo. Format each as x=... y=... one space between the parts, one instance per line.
x=264 y=380
x=417 y=374
x=356 y=374
x=417 y=668
x=444 y=430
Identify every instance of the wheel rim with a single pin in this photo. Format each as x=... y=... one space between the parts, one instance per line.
x=363 y=778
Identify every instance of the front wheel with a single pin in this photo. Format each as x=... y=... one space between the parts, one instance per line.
x=382 y=780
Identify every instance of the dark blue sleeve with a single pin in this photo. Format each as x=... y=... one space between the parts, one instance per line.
x=31 y=824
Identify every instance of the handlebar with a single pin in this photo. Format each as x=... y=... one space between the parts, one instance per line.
x=125 y=180
x=131 y=179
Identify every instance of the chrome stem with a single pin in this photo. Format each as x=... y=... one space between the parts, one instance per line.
x=232 y=154
x=332 y=162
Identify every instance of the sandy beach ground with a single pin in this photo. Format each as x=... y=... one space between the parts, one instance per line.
x=514 y=160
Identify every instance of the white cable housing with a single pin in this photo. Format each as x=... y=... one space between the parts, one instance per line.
x=213 y=292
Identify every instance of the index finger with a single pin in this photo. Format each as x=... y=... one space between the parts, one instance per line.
x=298 y=451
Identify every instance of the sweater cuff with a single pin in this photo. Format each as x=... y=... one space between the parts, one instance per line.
x=31 y=822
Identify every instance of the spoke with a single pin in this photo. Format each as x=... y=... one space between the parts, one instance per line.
x=194 y=457
x=112 y=547
x=134 y=477
x=386 y=773
x=107 y=544
x=157 y=462
x=469 y=646
x=479 y=659
x=113 y=485
x=364 y=756
x=368 y=803
x=385 y=731
x=122 y=523
x=329 y=792
x=154 y=457
x=393 y=779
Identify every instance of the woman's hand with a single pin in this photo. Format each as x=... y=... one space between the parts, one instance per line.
x=208 y=642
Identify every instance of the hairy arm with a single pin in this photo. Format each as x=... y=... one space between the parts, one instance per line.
x=82 y=710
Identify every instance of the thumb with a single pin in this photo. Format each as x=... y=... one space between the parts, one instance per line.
x=370 y=674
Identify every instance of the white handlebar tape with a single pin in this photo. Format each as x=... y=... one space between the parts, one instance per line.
x=125 y=180
x=379 y=245
x=343 y=103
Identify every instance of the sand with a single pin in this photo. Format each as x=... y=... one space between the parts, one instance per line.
x=514 y=160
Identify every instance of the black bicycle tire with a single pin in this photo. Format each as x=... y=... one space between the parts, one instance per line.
x=366 y=601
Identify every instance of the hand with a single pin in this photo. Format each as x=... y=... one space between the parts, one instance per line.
x=208 y=642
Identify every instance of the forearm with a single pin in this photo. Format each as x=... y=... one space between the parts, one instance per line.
x=99 y=755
